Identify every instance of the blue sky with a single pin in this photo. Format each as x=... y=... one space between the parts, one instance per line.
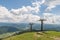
x=19 y=3
x=15 y=3
x=56 y=10
x=29 y=9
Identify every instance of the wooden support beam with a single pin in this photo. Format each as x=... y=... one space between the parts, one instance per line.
x=42 y=23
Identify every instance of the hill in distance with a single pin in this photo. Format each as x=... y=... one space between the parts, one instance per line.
x=13 y=27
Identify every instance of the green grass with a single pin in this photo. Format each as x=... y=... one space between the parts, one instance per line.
x=48 y=35
x=24 y=36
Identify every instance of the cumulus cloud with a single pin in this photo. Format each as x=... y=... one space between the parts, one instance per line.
x=51 y=4
x=51 y=18
x=23 y=10
x=17 y=15
x=37 y=5
x=35 y=8
x=27 y=13
x=4 y=14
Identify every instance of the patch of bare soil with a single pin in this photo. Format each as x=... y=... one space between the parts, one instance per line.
x=37 y=35
x=57 y=38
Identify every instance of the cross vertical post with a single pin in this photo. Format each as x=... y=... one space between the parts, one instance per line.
x=42 y=23
x=31 y=24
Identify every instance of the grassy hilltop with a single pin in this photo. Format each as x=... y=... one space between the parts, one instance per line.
x=48 y=35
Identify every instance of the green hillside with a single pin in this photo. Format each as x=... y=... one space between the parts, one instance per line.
x=48 y=35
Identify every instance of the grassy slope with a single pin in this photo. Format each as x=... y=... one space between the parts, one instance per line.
x=48 y=35
x=6 y=34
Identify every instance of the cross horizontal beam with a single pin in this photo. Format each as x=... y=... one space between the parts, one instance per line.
x=42 y=20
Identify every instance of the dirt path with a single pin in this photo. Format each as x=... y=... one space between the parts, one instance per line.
x=37 y=35
x=40 y=34
x=57 y=38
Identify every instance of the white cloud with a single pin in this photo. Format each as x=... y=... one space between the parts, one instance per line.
x=37 y=4
x=17 y=15
x=4 y=14
x=51 y=18
x=52 y=4
x=26 y=13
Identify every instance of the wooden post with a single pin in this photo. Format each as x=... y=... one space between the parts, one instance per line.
x=30 y=26
x=42 y=23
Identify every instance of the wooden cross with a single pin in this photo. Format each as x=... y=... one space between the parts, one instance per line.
x=31 y=24
x=42 y=23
